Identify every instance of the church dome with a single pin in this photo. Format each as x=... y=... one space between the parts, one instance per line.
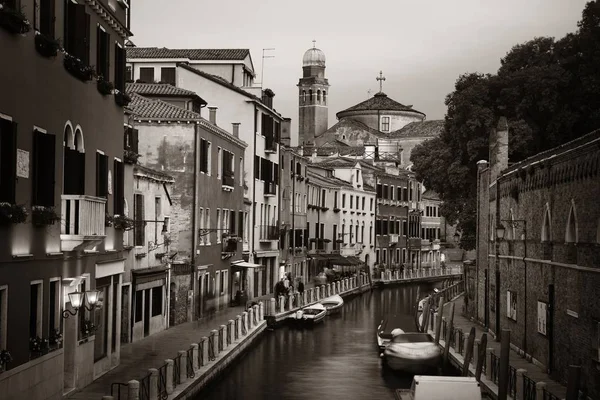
x=313 y=57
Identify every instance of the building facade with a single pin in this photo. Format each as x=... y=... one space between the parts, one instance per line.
x=537 y=275
x=61 y=173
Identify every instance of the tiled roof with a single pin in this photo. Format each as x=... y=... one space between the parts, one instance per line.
x=350 y=123
x=157 y=109
x=420 y=129
x=379 y=102
x=150 y=171
x=327 y=180
x=161 y=89
x=344 y=162
x=430 y=195
x=192 y=54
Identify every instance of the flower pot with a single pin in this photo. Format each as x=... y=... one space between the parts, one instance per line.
x=14 y=21
x=104 y=87
x=122 y=99
x=46 y=46
x=78 y=69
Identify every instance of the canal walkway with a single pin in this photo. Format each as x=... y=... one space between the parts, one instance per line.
x=553 y=389
x=152 y=351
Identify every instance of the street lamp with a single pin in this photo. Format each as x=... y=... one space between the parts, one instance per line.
x=500 y=231
x=78 y=300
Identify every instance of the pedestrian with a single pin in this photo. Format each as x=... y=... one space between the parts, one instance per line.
x=300 y=287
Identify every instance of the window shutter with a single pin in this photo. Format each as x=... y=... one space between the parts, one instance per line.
x=101 y=175
x=232 y=222
x=135 y=140
x=8 y=160
x=80 y=32
x=240 y=224
x=71 y=27
x=99 y=51
x=47 y=18
x=119 y=68
x=44 y=153
x=276 y=173
x=119 y=188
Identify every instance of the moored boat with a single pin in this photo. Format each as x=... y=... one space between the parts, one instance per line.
x=385 y=329
x=333 y=304
x=412 y=352
x=441 y=388
x=311 y=315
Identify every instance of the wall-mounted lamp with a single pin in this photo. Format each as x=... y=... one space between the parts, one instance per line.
x=500 y=231
x=78 y=300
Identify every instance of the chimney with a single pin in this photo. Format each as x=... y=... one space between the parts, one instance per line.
x=212 y=115
x=236 y=129
x=498 y=149
x=286 y=132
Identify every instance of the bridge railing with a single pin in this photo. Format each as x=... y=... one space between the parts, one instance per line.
x=420 y=273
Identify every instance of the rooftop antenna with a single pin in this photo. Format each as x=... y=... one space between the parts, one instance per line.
x=262 y=67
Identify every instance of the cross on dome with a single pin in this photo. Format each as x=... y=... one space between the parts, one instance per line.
x=380 y=78
x=314 y=44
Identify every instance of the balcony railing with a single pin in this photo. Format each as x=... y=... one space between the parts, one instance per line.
x=393 y=239
x=270 y=144
x=268 y=233
x=228 y=180
x=270 y=189
x=83 y=221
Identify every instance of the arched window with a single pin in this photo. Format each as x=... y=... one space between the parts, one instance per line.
x=69 y=136
x=304 y=96
x=318 y=96
x=310 y=95
x=547 y=225
x=571 y=231
x=324 y=97
x=79 y=145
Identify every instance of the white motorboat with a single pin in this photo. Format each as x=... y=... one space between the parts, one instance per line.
x=441 y=388
x=312 y=314
x=412 y=352
x=386 y=327
x=333 y=304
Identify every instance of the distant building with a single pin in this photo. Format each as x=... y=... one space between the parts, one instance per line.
x=313 y=90
x=538 y=238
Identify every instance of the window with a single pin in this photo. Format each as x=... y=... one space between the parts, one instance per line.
x=219 y=162
x=3 y=315
x=77 y=32
x=227 y=166
x=147 y=74
x=304 y=96
x=385 y=124
x=167 y=75
x=44 y=17
x=35 y=309
x=219 y=233
x=102 y=52
x=241 y=171
x=157 y=301
x=139 y=231
x=207 y=225
x=119 y=188
x=318 y=96
x=101 y=175
x=223 y=286
x=129 y=73
x=157 y=214
x=43 y=168
x=139 y=305
x=324 y=97
x=363 y=203
x=8 y=160
x=351 y=200
x=121 y=73
x=343 y=200
x=240 y=227
x=54 y=317
x=323 y=198
x=205 y=156
x=371 y=205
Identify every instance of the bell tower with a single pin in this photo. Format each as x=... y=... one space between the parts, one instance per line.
x=313 y=94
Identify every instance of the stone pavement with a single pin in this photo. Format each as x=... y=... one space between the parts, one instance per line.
x=152 y=351
x=515 y=360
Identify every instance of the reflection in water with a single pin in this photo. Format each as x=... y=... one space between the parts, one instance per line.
x=337 y=359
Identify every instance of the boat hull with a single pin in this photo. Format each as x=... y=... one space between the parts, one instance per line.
x=413 y=365
x=313 y=320
x=334 y=309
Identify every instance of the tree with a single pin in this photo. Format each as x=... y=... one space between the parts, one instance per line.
x=548 y=90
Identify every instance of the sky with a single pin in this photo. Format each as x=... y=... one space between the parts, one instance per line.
x=422 y=46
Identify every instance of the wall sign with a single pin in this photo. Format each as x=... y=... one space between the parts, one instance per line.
x=511 y=305
x=22 y=163
x=542 y=317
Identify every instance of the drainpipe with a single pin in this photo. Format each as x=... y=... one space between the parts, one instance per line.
x=293 y=207
x=254 y=185
x=195 y=219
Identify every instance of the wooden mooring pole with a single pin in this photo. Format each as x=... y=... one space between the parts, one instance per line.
x=448 y=330
x=503 y=364
x=481 y=356
x=469 y=352
x=438 y=322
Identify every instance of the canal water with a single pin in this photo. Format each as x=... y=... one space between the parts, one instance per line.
x=337 y=359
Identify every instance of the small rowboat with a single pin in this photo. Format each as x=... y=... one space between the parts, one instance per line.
x=311 y=315
x=333 y=304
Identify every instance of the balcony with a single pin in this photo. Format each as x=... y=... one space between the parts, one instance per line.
x=83 y=221
x=393 y=239
x=270 y=144
x=268 y=233
x=270 y=189
x=227 y=182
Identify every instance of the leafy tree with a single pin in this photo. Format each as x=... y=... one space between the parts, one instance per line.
x=550 y=93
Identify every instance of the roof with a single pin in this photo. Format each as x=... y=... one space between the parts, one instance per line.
x=225 y=83
x=192 y=54
x=420 y=129
x=380 y=101
x=352 y=124
x=431 y=195
x=154 y=173
x=344 y=162
x=328 y=180
x=161 y=89
x=157 y=109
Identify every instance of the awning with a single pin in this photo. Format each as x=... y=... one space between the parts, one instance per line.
x=354 y=260
x=244 y=264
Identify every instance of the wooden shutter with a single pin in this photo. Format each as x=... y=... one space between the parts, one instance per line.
x=147 y=74
x=80 y=171
x=81 y=33
x=44 y=155
x=139 y=219
x=119 y=68
x=8 y=160
x=101 y=175
x=203 y=155
x=167 y=75
x=240 y=224
x=119 y=188
x=276 y=173
x=232 y=222
x=257 y=165
x=47 y=17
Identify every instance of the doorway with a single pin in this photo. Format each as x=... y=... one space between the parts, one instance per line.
x=146 y=312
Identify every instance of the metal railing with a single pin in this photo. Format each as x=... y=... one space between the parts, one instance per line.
x=452 y=338
x=529 y=391
x=115 y=390
x=512 y=381
x=190 y=363
x=176 y=370
x=145 y=387
x=495 y=360
x=211 y=347
x=549 y=396
x=162 y=382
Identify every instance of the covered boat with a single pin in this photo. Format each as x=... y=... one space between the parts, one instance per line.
x=441 y=388
x=385 y=329
x=412 y=352
x=312 y=314
x=333 y=304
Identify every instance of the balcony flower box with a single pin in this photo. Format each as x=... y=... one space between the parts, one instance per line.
x=45 y=45
x=78 y=69
x=87 y=328
x=104 y=87
x=12 y=214
x=121 y=222
x=42 y=216
x=14 y=21
x=5 y=358
x=37 y=347
x=130 y=157
x=121 y=98
x=56 y=339
x=339 y=240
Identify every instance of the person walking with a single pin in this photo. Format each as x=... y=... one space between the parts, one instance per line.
x=300 y=287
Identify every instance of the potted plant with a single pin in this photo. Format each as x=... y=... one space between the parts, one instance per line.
x=12 y=214
x=42 y=216
x=104 y=87
x=87 y=328
x=5 y=358
x=56 y=338
x=78 y=69
x=14 y=21
x=121 y=98
x=45 y=45
x=122 y=222
x=131 y=157
x=37 y=345
x=108 y=220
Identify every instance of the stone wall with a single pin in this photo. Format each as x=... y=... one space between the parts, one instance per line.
x=41 y=379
